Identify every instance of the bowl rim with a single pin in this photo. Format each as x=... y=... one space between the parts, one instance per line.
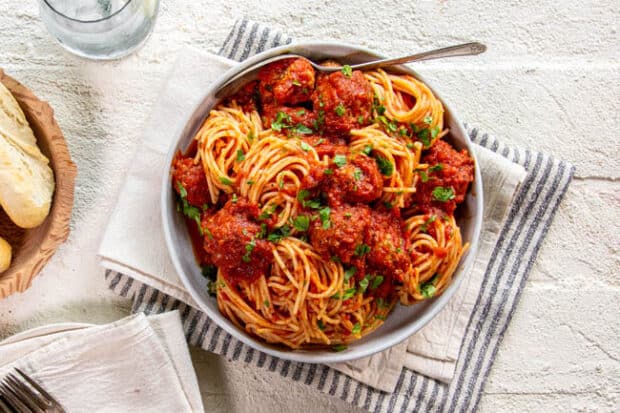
x=308 y=356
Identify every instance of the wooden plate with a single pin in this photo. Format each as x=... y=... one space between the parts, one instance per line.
x=32 y=248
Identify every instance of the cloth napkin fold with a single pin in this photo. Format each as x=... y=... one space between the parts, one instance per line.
x=138 y=363
x=446 y=363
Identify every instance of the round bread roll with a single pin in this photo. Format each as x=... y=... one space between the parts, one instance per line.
x=26 y=180
x=5 y=255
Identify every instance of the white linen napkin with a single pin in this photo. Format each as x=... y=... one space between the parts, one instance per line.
x=138 y=363
x=143 y=256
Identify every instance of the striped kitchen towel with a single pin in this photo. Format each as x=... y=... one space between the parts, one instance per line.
x=519 y=240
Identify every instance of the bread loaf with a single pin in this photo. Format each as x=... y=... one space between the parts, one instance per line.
x=26 y=180
x=5 y=255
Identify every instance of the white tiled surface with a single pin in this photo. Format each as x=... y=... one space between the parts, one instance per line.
x=550 y=81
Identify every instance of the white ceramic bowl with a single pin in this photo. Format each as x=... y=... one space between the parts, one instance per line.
x=404 y=320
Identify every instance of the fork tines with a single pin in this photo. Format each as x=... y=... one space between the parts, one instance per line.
x=23 y=394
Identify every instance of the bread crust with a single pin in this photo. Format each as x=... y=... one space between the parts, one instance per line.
x=5 y=255
x=26 y=179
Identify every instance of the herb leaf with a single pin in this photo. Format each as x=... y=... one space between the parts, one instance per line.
x=346 y=70
x=376 y=281
x=443 y=194
x=340 y=109
x=340 y=160
x=385 y=167
x=357 y=328
x=361 y=250
x=225 y=180
x=248 y=250
x=324 y=215
x=301 y=223
x=349 y=272
x=240 y=155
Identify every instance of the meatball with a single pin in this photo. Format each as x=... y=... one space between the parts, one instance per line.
x=286 y=82
x=449 y=170
x=247 y=97
x=232 y=240
x=386 y=253
x=358 y=180
x=189 y=177
x=342 y=103
x=341 y=233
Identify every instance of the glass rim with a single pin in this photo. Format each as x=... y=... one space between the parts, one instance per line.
x=87 y=21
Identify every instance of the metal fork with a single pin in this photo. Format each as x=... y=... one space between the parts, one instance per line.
x=23 y=394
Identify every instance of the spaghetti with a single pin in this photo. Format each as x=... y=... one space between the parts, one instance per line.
x=319 y=201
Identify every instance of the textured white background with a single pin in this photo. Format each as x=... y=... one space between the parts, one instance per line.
x=550 y=81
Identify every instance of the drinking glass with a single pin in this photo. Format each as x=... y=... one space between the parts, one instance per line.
x=100 y=29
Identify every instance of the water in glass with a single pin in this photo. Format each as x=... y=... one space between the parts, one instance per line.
x=100 y=29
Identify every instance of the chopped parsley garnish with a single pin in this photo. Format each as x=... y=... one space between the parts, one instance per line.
x=320 y=325
x=320 y=141
x=434 y=132
x=347 y=70
x=376 y=282
x=380 y=317
x=301 y=223
x=250 y=136
x=296 y=82
x=248 y=250
x=249 y=182
x=209 y=271
x=423 y=176
x=340 y=160
x=428 y=120
x=328 y=171
x=425 y=137
x=334 y=258
x=267 y=212
x=430 y=220
x=364 y=284
x=428 y=289
x=188 y=210
x=385 y=167
x=281 y=184
x=436 y=168
x=279 y=233
x=240 y=155
x=361 y=250
x=263 y=231
x=320 y=120
x=235 y=198
x=348 y=293
x=340 y=109
x=304 y=146
x=302 y=129
x=301 y=112
x=366 y=150
x=212 y=287
x=387 y=204
x=278 y=124
x=380 y=109
x=225 y=180
x=443 y=194
x=324 y=215
x=402 y=131
x=348 y=215
x=349 y=272
x=266 y=303
x=339 y=347
x=312 y=203
x=360 y=119
x=357 y=328
x=381 y=303
x=357 y=174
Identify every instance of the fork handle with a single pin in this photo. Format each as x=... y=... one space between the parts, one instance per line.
x=466 y=49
